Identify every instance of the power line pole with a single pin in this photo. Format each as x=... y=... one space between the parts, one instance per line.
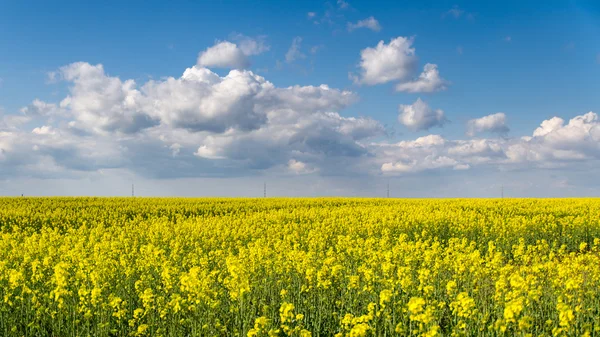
x=265 y=190
x=502 y=191
x=132 y=191
x=388 y=189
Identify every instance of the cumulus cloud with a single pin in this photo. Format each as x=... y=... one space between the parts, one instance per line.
x=198 y=101
x=202 y=101
x=369 y=23
x=490 y=123
x=12 y=122
x=203 y=124
x=549 y=126
x=47 y=152
x=294 y=53
x=39 y=108
x=299 y=167
x=251 y=46
x=477 y=148
x=397 y=62
x=433 y=152
x=102 y=103
x=424 y=153
x=239 y=121
x=315 y=139
x=581 y=133
x=428 y=163
x=557 y=143
x=387 y=62
x=223 y=55
x=553 y=144
x=428 y=81
x=419 y=116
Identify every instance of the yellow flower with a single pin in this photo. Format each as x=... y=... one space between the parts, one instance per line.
x=415 y=305
x=286 y=312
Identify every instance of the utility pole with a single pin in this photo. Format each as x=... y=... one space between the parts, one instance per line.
x=502 y=191
x=388 y=189
x=132 y=191
x=265 y=190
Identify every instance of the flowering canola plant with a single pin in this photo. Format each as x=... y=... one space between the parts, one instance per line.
x=299 y=267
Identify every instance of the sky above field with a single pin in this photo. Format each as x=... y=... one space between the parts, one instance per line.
x=215 y=98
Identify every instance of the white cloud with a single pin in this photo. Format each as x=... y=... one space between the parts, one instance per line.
x=580 y=130
x=39 y=108
x=294 y=52
x=208 y=152
x=428 y=81
x=369 y=23
x=423 y=142
x=554 y=144
x=343 y=4
x=12 y=122
x=548 y=126
x=428 y=163
x=484 y=148
x=419 y=116
x=202 y=101
x=387 y=62
x=44 y=130
x=251 y=46
x=455 y=12
x=102 y=103
x=240 y=120
x=436 y=153
x=311 y=15
x=397 y=61
x=299 y=167
x=507 y=39
x=198 y=101
x=223 y=55
x=240 y=124
x=315 y=139
x=490 y=123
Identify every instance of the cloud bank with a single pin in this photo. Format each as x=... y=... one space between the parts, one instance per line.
x=202 y=124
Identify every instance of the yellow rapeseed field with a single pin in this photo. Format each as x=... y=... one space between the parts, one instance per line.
x=299 y=267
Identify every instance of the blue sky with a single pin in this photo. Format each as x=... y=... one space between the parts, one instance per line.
x=529 y=60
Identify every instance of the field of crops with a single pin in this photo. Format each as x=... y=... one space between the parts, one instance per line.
x=299 y=267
